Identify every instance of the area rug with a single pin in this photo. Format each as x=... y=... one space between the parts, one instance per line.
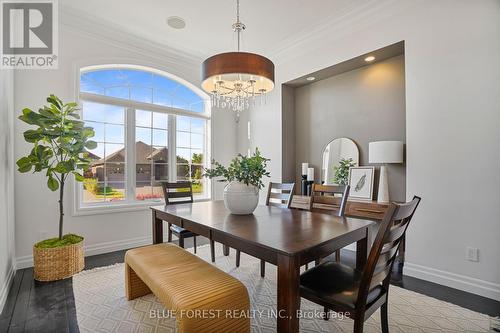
x=101 y=305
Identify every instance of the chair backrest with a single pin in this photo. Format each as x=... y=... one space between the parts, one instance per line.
x=323 y=198
x=279 y=194
x=383 y=252
x=175 y=193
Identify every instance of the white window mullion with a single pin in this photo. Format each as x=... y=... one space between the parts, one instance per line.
x=130 y=155
x=101 y=99
x=172 y=144
x=208 y=190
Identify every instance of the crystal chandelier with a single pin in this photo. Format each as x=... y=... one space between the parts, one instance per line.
x=235 y=79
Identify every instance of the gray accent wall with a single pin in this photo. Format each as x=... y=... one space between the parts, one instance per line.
x=366 y=104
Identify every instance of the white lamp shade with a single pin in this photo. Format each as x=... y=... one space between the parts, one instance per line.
x=386 y=152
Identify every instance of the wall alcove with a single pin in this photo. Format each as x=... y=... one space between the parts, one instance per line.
x=357 y=99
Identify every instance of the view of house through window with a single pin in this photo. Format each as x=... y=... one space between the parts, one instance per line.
x=105 y=180
x=151 y=154
x=189 y=148
x=149 y=129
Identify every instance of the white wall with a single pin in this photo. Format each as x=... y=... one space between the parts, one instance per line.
x=36 y=206
x=225 y=137
x=452 y=116
x=6 y=183
x=265 y=134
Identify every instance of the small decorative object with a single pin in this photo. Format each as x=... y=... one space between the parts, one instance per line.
x=341 y=172
x=385 y=152
x=361 y=182
x=303 y=183
x=305 y=166
x=244 y=174
x=334 y=152
x=310 y=180
x=60 y=144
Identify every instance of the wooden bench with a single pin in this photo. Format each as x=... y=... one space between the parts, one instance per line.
x=202 y=297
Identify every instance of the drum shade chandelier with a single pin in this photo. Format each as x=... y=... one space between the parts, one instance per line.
x=234 y=79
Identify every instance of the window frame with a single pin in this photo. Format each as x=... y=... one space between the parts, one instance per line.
x=130 y=203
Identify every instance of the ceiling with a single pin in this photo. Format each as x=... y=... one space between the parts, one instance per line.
x=271 y=24
x=349 y=65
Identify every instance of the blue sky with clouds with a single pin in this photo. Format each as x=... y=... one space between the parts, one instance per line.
x=141 y=86
x=151 y=127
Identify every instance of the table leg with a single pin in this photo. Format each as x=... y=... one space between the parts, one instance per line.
x=169 y=233
x=157 y=229
x=212 y=250
x=225 y=250
x=362 y=251
x=288 y=293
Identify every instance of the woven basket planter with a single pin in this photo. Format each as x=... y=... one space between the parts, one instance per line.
x=58 y=263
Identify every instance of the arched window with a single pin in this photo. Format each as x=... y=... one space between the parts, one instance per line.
x=150 y=127
x=141 y=86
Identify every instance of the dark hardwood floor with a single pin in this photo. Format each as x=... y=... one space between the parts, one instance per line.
x=50 y=307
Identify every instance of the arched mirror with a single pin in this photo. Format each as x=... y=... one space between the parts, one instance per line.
x=337 y=150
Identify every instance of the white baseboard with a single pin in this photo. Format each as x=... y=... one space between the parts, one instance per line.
x=100 y=248
x=4 y=290
x=457 y=281
x=24 y=262
x=452 y=280
x=92 y=250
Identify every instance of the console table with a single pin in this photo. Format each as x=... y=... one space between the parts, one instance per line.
x=368 y=210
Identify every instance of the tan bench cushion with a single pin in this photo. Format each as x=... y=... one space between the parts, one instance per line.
x=183 y=281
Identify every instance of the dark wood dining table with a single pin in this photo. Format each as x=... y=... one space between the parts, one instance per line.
x=288 y=238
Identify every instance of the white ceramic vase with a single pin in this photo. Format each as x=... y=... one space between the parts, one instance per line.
x=241 y=199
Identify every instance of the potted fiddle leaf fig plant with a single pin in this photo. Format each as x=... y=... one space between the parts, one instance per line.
x=60 y=142
x=244 y=174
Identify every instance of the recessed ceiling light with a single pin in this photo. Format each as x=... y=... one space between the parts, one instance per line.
x=310 y=78
x=176 y=22
x=370 y=58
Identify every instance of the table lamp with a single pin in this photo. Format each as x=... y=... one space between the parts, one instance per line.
x=385 y=152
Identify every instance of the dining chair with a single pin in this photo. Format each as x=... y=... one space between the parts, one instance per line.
x=358 y=294
x=178 y=193
x=279 y=195
x=326 y=199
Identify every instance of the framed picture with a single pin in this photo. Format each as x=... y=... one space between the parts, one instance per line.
x=361 y=182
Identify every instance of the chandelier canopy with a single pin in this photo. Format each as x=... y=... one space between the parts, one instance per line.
x=234 y=79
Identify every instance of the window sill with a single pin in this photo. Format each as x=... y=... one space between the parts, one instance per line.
x=121 y=208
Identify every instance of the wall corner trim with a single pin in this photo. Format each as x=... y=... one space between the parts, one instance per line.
x=4 y=290
x=453 y=280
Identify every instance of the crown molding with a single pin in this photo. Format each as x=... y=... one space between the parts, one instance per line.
x=312 y=31
x=115 y=35
x=352 y=19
